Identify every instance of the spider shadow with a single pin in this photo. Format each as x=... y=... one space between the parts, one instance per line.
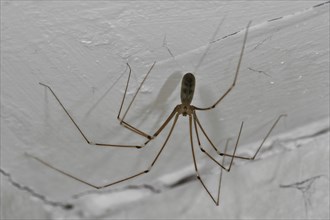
x=160 y=103
x=106 y=92
x=162 y=99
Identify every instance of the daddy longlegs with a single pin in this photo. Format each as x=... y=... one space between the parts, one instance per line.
x=184 y=109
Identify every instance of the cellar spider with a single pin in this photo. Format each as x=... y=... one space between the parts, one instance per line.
x=184 y=109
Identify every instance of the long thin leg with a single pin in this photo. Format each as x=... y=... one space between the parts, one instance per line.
x=216 y=201
x=162 y=126
x=223 y=159
x=201 y=127
x=115 y=182
x=209 y=140
x=262 y=143
x=236 y=74
x=124 y=123
x=81 y=132
x=130 y=127
x=220 y=176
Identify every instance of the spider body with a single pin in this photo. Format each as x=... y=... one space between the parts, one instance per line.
x=187 y=94
x=187 y=88
x=185 y=110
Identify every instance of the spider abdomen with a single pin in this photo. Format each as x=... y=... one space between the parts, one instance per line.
x=187 y=88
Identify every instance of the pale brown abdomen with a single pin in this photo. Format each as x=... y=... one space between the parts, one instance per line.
x=187 y=88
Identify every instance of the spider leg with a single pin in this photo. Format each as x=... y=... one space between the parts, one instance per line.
x=79 y=129
x=221 y=167
x=262 y=143
x=115 y=182
x=220 y=176
x=201 y=127
x=121 y=120
x=209 y=140
x=236 y=74
x=216 y=201
x=162 y=126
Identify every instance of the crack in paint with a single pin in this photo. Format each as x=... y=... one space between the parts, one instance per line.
x=271 y=20
x=66 y=206
x=259 y=71
x=262 y=42
x=321 y=4
x=304 y=137
x=182 y=181
x=305 y=188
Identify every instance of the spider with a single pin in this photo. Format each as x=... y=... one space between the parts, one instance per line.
x=184 y=109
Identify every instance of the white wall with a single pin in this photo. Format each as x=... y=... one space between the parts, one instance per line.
x=81 y=50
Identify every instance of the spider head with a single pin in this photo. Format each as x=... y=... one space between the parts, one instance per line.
x=185 y=109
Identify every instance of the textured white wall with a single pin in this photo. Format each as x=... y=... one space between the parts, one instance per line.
x=81 y=50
